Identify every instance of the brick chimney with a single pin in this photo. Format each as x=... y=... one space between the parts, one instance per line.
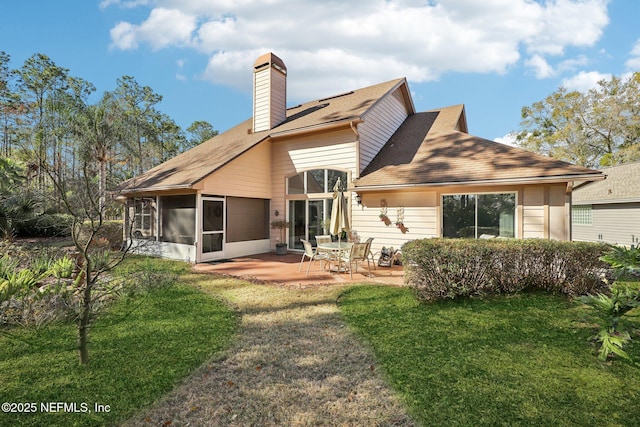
x=269 y=92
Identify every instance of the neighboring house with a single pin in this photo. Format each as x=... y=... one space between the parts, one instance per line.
x=422 y=171
x=609 y=211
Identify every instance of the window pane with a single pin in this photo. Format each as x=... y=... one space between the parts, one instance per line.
x=581 y=215
x=296 y=184
x=496 y=214
x=315 y=181
x=297 y=223
x=458 y=216
x=212 y=215
x=332 y=177
x=211 y=242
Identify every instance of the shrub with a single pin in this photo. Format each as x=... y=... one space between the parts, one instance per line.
x=46 y=225
x=62 y=268
x=110 y=232
x=451 y=268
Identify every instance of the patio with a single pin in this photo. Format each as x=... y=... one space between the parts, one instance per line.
x=282 y=270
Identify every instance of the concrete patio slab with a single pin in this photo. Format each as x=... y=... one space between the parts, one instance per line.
x=282 y=270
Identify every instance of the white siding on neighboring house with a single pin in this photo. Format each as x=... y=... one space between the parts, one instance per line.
x=615 y=223
x=379 y=124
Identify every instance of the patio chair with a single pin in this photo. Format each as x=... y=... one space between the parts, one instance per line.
x=370 y=252
x=312 y=254
x=359 y=253
x=324 y=239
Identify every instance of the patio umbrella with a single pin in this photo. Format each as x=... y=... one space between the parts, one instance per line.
x=339 y=216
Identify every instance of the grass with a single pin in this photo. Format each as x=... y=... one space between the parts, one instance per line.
x=140 y=349
x=516 y=361
x=295 y=363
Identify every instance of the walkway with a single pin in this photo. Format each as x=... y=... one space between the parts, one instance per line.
x=295 y=362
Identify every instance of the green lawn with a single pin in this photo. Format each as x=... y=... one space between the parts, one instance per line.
x=512 y=360
x=139 y=349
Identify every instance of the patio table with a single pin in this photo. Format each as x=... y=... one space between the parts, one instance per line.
x=336 y=249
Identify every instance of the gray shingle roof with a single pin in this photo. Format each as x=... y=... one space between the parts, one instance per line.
x=621 y=185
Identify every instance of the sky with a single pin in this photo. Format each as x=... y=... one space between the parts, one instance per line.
x=494 y=56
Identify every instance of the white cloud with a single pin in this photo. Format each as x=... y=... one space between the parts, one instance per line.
x=540 y=66
x=163 y=28
x=335 y=47
x=508 y=139
x=584 y=81
x=633 y=63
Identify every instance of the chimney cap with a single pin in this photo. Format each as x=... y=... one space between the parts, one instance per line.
x=270 y=59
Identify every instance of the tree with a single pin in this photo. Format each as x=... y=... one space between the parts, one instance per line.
x=199 y=132
x=39 y=81
x=137 y=108
x=87 y=205
x=600 y=127
x=9 y=107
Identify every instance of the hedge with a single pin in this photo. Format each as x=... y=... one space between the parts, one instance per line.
x=45 y=225
x=451 y=268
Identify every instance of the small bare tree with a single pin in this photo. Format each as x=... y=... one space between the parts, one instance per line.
x=85 y=200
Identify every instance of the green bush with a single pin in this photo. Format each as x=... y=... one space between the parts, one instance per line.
x=451 y=268
x=45 y=225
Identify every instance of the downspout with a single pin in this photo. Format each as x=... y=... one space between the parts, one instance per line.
x=354 y=127
x=567 y=210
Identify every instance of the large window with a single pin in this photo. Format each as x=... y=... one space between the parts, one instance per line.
x=310 y=195
x=478 y=215
x=316 y=181
x=581 y=215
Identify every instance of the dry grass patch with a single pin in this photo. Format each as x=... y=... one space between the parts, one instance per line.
x=295 y=363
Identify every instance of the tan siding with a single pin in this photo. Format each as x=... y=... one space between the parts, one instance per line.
x=533 y=213
x=379 y=124
x=278 y=98
x=557 y=213
x=247 y=176
x=334 y=150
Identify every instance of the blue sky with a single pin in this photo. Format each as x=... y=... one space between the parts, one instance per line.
x=494 y=56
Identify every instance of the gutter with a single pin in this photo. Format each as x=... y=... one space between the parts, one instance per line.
x=162 y=188
x=541 y=180
x=319 y=127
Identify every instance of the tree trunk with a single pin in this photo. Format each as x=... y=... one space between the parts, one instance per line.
x=85 y=315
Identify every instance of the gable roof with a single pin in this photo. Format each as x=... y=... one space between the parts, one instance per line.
x=621 y=185
x=427 y=150
x=190 y=167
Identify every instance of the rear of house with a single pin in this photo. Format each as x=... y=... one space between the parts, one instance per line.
x=407 y=175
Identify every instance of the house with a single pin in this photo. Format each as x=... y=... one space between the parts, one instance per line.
x=609 y=211
x=409 y=175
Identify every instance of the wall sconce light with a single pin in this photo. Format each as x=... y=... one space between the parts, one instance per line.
x=277 y=212
x=358 y=199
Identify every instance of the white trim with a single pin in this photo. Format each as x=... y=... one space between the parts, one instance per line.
x=516 y=181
